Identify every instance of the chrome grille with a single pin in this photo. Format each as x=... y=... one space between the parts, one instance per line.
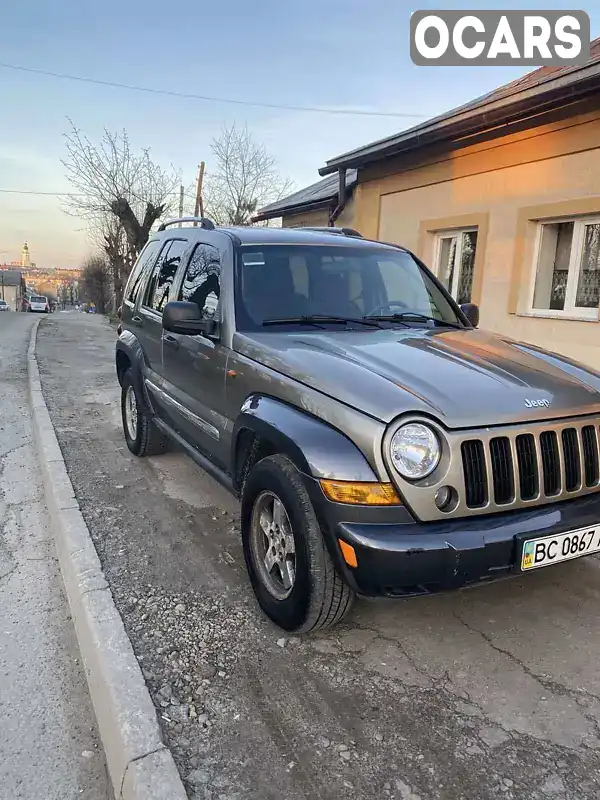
x=552 y=462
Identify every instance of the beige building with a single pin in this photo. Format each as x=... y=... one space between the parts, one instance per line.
x=12 y=288
x=315 y=206
x=501 y=198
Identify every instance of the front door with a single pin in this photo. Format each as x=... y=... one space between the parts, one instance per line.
x=194 y=366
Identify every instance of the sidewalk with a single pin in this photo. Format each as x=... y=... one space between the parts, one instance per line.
x=49 y=747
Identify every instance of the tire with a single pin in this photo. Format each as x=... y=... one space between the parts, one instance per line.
x=318 y=597
x=148 y=439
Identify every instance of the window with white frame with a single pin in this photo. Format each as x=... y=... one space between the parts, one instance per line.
x=567 y=268
x=455 y=261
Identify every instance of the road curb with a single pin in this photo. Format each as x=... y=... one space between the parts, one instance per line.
x=140 y=765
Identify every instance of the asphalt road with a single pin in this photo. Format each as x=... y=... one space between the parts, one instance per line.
x=491 y=692
x=49 y=745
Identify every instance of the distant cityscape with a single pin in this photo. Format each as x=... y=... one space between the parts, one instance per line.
x=58 y=284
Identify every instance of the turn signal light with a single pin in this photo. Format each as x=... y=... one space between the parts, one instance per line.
x=360 y=494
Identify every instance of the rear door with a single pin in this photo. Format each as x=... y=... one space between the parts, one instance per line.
x=150 y=303
x=137 y=279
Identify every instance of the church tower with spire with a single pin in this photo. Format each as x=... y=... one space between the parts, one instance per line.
x=25 y=259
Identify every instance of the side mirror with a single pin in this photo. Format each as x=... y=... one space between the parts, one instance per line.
x=471 y=312
x=184 y=318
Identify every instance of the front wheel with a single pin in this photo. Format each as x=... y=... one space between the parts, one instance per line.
x=293 y=577
x=141 y=434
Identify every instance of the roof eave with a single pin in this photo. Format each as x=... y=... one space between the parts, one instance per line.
x=299 y=208
x=317 y=205
x=487 y=115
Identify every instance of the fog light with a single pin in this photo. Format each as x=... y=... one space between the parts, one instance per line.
x=444 y=498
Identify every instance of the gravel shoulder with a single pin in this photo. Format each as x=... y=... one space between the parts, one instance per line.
x=491 y=692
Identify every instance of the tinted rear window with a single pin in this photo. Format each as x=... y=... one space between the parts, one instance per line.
x=39 y=299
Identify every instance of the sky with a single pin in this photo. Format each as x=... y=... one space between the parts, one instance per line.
x=342 y=54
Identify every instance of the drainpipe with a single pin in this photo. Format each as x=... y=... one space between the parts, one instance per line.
x=342 y=198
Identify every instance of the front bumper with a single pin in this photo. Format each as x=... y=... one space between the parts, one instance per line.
x=406 y=558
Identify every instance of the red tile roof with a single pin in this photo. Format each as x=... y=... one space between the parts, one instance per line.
x=496 y=107
x=538 y=76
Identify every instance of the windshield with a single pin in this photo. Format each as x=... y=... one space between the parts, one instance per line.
x=287 y=282
x=38 y=299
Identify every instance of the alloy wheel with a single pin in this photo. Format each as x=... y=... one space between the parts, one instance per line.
x=131 y=412
x=273 y=546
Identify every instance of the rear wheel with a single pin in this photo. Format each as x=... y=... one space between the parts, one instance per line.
x=141 y=434
x=292 y=575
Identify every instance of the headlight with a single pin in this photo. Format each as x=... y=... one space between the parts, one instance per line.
x=415 y=451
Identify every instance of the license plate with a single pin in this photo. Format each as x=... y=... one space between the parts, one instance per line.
x=561 y=547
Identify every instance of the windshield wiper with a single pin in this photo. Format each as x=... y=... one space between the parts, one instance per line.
x=318 y=319
x=415 y=315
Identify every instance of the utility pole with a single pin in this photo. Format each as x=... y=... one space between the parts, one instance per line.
x=181 y=191
x=199 y=208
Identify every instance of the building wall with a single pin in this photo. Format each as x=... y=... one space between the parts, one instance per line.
x=504 y=187
x=12 y=295
x=306 y=220
x=320 y=218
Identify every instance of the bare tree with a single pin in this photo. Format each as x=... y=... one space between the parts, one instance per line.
x=110 y=236
x=120 y=192
x=243 y=179
x=96 y=281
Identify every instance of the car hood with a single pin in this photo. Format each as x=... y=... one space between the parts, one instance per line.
x=464 y=378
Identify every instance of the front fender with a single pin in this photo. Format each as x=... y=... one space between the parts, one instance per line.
x=315 y=447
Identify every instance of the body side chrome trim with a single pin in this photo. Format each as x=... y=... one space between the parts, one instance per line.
x=209 y=429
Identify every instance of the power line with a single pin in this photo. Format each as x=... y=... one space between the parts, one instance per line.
x=47 y=194
x=210 y=99
x=70 y=194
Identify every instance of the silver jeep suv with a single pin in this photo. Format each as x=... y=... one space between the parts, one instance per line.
x=380 y=443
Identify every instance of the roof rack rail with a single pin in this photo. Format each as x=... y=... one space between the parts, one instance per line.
x=339 y=231
x=205 y=223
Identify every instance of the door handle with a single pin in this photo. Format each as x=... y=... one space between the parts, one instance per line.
x=171 y=341
x=136 y=319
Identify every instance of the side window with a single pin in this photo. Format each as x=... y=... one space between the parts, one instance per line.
x=202 y=281
x=159 y=286
x=141 y=266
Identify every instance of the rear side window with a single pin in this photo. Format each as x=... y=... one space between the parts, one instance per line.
x=202 y=281
x=160 y=285
x=146 y=258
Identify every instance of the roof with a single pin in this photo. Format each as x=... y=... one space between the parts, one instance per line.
x=259 y=236
x=10 y=277
x=314 y=196
x=264 y=236
x=539 y=91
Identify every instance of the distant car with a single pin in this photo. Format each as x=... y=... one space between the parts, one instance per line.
x=4 y=306
x=39 y=303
